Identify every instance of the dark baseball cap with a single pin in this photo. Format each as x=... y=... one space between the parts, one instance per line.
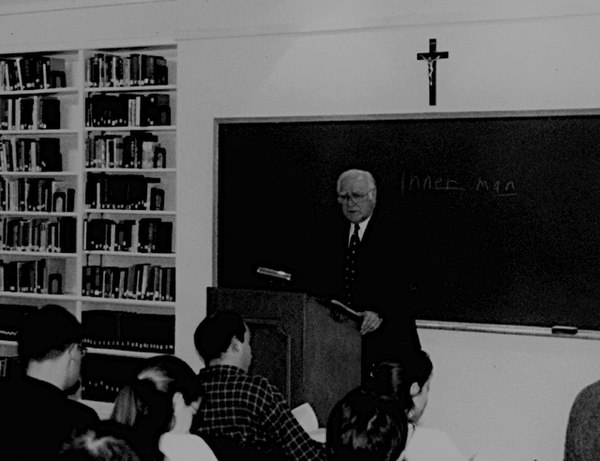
x=51 y=328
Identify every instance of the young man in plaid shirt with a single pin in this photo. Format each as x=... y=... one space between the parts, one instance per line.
x=245 y=408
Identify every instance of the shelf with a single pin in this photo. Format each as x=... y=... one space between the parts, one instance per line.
x=39 y=296
x=128 y=302
x=48 y=91
x=41 y=214
x=38 y=254
x=132 y=170
x=130 y=128
x=39 y=174
x=128 y=254
x=48 y=132
x=129 y=212
x=131 y=89
x=74 y=147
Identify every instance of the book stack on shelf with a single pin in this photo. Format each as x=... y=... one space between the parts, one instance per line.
x=129 y=331
x=85 y=218
x=123 y=192
x=142 y=281
x=146 y=235
x=138 y=150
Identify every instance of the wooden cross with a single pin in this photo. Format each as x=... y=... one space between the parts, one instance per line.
x=431 y=59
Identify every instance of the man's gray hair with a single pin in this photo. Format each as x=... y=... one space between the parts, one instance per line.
x=354 y=174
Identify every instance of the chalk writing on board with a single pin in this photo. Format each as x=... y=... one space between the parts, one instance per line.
x=411 y=182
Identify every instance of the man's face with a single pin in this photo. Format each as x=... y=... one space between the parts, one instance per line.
x=357 y=198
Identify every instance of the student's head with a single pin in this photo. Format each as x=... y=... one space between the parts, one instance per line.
x=357 y=194
x=50 y=342
x=386 y=379
x=164 y=396
x=165 y=384
x=360 y=427
x=417 y=375
x=101 y=442
x=224 y=337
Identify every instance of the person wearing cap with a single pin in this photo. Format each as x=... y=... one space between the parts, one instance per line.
x=37 y=415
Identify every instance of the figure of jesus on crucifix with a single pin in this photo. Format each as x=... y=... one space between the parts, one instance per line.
x=431 y=59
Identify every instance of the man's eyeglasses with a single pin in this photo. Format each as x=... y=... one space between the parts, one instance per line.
x=355 y=198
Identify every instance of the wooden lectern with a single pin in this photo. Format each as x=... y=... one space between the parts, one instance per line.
x=297 y=344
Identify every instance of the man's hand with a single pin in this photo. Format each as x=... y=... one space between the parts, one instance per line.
x=371 y=321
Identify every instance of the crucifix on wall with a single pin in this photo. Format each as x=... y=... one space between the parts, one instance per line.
x=431 y=57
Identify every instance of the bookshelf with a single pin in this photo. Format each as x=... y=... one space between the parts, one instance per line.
x=88 y=171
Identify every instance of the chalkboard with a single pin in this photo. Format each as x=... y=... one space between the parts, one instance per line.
x=508 y=204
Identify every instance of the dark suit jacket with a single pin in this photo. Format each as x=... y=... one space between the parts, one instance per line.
x=389 y=272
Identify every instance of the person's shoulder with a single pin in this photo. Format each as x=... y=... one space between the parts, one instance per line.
x=83 y=413
x=430 y=443
x=183 y=447
x=587 y=398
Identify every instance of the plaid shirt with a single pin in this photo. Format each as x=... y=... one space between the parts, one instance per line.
x=252 y=411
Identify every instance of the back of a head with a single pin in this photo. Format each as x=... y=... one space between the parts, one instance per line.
x=386 y=379
x=215 y=332
x=361 y=427
x=146 y=404
x=418 y=367
x=102 y=442
x=47 y=332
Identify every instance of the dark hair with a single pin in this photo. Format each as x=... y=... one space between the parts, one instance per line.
x=393 y=379
x=362 y=427
x=104 y=441
x=214 y=334
x=48 y=332
x=387 y=380
x=418 y=368
x=146 y=404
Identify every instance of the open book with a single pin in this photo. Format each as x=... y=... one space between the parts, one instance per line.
x=306 y=416
x=346 y=310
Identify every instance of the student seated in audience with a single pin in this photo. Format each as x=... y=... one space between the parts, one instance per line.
x=582 y=442
x=409 y=382
x=100 y=442
x=36 y=413
x=159 y=406
x=240 y=406
x=362 y=426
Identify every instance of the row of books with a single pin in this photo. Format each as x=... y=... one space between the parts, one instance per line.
x=103 y=376
x=145 y=235
x=129 y=331
x=108 y=110
x=123 y=192
x=29 y=154
x=38 y=234
x=36 y=194
x=32 y=276
x=32 y=72
x=113 y=70
x=141 y=281
x=131 y=151
x=30 y=113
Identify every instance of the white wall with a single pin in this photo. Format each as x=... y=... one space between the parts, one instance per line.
x=498 y=393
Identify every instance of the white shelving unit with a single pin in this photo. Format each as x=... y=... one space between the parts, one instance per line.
x=75 y=134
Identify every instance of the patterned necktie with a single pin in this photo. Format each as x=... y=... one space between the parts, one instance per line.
x=350 y=264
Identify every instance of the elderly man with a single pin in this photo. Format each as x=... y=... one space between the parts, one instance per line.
x=369 y=262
